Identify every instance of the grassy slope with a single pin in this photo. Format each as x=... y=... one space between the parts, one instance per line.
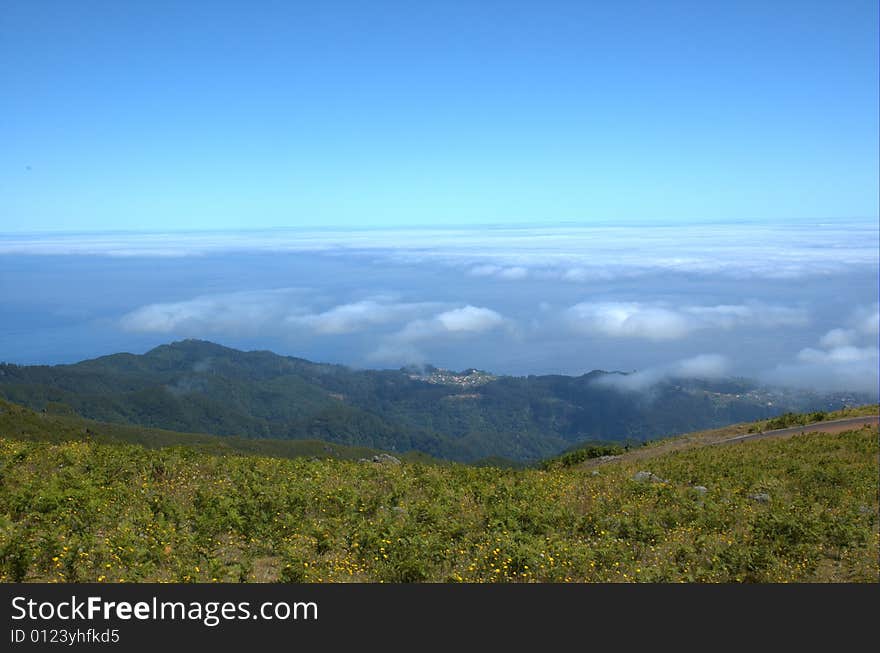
x=712 y=436
x=22 y=423
x=84 y=511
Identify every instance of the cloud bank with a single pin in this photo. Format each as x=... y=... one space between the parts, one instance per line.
x=703 y=366
x=468 y=321
x=512 y=273
x=288 y=311
x=576 y=254
x=847 y=358
x=276 y=310
x=234 y=313
x=359 y=316
x=661 y=322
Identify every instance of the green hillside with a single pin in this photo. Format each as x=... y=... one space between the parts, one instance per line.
x=200 y=387
x=23 y=423
x=797 y=509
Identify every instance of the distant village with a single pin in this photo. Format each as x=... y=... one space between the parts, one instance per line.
x=467 y=379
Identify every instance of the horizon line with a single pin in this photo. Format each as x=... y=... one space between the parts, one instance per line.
x=617 y=222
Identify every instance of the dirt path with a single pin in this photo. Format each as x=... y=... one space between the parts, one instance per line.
x=833 y=426
x=731 y=435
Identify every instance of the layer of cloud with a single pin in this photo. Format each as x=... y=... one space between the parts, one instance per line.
x=398 y=329
x=866 y=320
x=576 y=254
x=627 y=320
x=847 y=359
x=359 y=316
x=229 y=313
x=276 y=311
x=468 y=321
x=703 y=366
x=838 y=369
x=838 y=338
x=661 y=322
x=511 y=273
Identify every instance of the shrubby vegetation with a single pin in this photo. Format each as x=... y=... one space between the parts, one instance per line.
x=89 y=511
x=580 y=454
x=787 y=420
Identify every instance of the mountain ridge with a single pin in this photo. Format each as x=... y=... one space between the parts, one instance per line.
x=200 y=386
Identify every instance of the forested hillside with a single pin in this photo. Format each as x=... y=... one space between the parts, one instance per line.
x=198 y=386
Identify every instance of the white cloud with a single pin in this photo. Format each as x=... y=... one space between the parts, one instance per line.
x=838 y=338
x=466 y=320
x=703 y=366
x=834 y=355
x=512 y=273
x=579 y=274
x=278 y=311
x=660 y=322
x=470 y=318
x=575 y=253
x=848 y=359
x=867 y=320
x=840 y=369
x=281 y=311
x=230 y=313
x=728 y=316
x=400 y=347
x=484 y=270
x=628 y=320
x=359 y=316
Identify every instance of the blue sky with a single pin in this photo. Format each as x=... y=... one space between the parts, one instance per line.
x=546 y=187
x=223 y=115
